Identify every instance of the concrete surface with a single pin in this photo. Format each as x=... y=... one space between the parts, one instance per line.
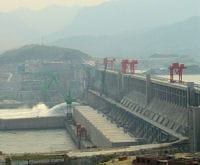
x=103 y=133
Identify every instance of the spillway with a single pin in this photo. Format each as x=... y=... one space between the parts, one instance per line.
x=103 y=133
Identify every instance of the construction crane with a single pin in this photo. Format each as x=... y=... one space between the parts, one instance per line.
x=125 y=63
x=69 y=100
x=106 y=61
x=47 y=81
x=177 y=69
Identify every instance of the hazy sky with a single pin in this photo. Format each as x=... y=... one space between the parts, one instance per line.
x=9 y=5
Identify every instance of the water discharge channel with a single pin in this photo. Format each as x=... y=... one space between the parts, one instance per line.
x=34 y=140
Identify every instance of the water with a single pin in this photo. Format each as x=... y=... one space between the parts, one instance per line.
x=40 y=110
x=186 y=78
x=29 y=141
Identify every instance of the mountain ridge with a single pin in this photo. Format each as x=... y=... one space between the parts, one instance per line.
x=42 y=52
x=182 y=38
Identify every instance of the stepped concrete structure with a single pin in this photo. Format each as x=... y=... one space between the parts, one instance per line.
x=102 y=132
x=152 y=109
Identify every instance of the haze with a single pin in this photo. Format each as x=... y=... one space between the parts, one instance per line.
x=78 y=23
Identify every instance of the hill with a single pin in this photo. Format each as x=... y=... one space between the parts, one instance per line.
x=179 y=38
x=42 y=53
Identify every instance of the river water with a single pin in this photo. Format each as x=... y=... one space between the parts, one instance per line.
x=29 y=141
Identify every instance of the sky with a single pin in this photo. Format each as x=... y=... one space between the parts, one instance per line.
x=10 y=5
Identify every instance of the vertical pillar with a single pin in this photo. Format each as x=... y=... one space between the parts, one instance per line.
x=194 y=129
x=121 y=84
x=148 y=89
x=190 y=94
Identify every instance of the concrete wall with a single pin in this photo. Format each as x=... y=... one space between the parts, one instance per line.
x=194 y=130
x=32 y=123
x=116 y=85
x=95 y=135
x=129 y=120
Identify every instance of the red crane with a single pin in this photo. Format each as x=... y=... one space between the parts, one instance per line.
x=132 y=65
x=81 y=131
x=106 y=61
x=178 y=69
x=125 y=63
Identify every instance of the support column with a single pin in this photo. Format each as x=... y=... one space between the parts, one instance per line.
x=194 y=129
x=148 y=89
x=190 y=94
x=121 y=84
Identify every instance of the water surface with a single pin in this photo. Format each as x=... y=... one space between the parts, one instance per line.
x=27 y=141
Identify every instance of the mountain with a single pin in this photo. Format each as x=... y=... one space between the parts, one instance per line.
x=178 y=38
x=25 y=26
x=47 y=20
x=120 y=16
x=13 y=32
x=42 y=53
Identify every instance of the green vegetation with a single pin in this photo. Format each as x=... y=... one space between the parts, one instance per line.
x=43 y=53
x=36 y=157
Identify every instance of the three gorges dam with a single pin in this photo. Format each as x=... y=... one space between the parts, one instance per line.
x=107 y=112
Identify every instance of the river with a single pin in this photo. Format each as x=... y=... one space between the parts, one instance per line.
x=29 y=141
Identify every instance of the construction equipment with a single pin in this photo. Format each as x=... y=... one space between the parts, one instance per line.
x=106 y=61
x=69 y=100
x=177 y=69
x=125 y=63
x=81 y=131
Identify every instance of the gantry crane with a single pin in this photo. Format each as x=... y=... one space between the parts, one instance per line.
x=177 y=69
x=106 y=61
x=125 y=63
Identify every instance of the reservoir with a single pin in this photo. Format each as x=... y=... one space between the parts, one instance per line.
x=186 y=78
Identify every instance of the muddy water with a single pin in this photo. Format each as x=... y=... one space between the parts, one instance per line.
x=27 y=141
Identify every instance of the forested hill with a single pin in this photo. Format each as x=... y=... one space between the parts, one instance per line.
x=43 y=53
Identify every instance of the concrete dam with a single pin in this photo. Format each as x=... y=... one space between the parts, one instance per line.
x=138 y=112
x=152 y=109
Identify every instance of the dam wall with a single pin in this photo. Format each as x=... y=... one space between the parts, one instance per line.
x=101 y=131
x=132 y=121
x=32 y=123
x=150 y=107
x=117 y=85
x=154 y=98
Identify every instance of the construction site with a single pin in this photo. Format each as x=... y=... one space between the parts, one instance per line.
x=118 y=112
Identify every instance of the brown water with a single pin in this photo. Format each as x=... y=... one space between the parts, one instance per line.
x=27 y=141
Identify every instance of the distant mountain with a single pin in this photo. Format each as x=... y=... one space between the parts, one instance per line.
x=25 y=26
x=13 y=32
x=42 y=53
x=47 y=20
x=179 y=38
x=122 y=16
x=123 y=19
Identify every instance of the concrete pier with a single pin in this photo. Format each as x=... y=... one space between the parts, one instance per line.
x=102 y=132
x=194 y=129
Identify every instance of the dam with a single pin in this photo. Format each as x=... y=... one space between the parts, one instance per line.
x=150 y=112
x=150 y=108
